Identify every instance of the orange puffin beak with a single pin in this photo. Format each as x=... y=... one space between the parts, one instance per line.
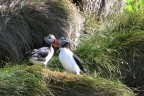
x=55 y=43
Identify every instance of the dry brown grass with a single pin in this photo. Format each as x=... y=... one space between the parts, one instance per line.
x=58 y=75
x=25 y=23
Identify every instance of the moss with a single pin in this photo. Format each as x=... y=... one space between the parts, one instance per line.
x=36 y=80
x=64 y=84
x=21 y=80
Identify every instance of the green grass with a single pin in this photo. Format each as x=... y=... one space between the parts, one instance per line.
x=21 y=81
x=115 y=48
x=112 y=49
x=35 y=80
x=54 y=64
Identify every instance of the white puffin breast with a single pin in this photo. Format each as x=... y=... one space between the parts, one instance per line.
x=68 y=62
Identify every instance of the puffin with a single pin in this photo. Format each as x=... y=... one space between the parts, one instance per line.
x=71 y=62
x=44 y=54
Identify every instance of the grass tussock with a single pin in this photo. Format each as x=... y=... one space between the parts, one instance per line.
x=36 y=80
x=21 y=80
x=34 y=20
x=115 y=48
x=69 y=84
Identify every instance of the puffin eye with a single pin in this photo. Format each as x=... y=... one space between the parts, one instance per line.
x=49 y=37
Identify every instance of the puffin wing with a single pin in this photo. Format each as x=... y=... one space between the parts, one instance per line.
x=78 y=61
x=43 y=54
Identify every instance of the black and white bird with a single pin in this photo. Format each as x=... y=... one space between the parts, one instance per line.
x=68 y=59
x=44 y=54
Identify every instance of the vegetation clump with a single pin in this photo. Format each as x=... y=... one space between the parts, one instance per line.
x=21 y=19
x=36 y=80
x=115 y=48
x=112 y=51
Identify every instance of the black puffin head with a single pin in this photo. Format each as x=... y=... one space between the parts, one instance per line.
x=64 y=43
